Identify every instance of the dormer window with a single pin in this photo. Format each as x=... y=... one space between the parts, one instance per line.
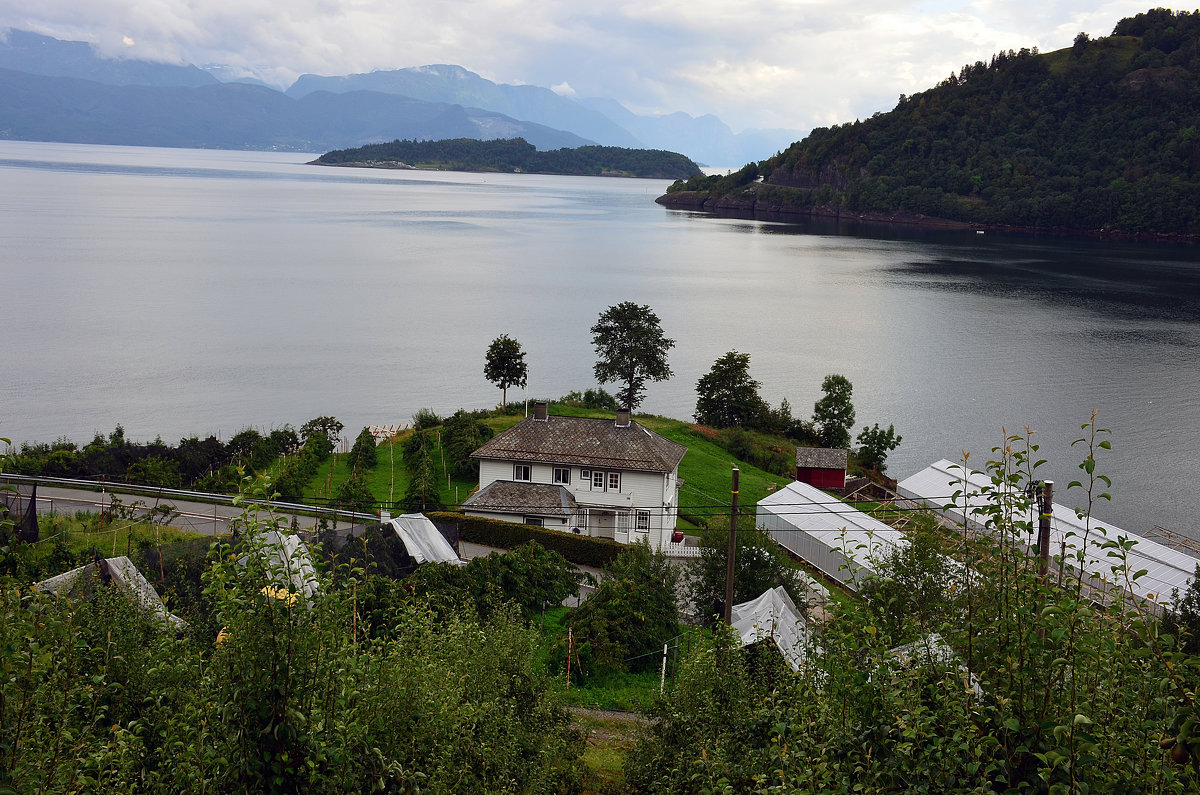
x=521 y=472
x=562 y=475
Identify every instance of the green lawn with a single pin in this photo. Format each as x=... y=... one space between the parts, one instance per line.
x=80 y=532
x=705 y=469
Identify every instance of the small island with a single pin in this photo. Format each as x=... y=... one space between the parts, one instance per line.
x=515 y=155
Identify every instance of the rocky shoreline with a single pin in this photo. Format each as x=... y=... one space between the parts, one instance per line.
x=750 y=206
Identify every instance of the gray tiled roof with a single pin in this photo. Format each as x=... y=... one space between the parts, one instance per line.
x=507 y=496
x=584 y=441
x=821 y=457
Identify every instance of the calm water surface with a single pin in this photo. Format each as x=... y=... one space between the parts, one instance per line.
x=184 y=292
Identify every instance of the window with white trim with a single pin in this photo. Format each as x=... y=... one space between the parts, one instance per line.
x=521 y=472
x=598 y=480
x=641 y=520
x=562 y=475
x=614 y=481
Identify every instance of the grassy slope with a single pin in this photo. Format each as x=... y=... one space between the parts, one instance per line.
x=705 y=469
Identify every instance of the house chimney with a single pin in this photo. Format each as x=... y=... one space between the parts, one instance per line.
x=540 y=411
x=622 y=418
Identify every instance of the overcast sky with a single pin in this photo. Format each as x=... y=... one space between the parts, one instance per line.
x=768 y=63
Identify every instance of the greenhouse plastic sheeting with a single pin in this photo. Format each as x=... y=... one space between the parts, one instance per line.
x=1166 y=569
x=124 y=575
x=840 y=540
x=773 y=615
x=423 y=540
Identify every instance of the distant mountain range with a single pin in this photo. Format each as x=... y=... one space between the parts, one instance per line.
x=56 y=90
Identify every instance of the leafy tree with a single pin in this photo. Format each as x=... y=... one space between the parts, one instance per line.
x=285 y=440
x=154 y=471
x=354 y=495
x=504 y=365
x=833 y=414
x=423 y=493
x=631 y=614
x=530 y=576
x=425 y=418
x=243 y=443
x=462 y=434
x=875 y=443
x=326 y=430
x=727 y=396
x=1184 y=617
x=631 y=350
x=363 y=454
x=915 y=588
x=758 y=567
x=589 y=399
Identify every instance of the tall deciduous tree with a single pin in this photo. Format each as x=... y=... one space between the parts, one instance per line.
x=727 y=396
x=631 y=349
x=504 y=365
x=876 y=444
x=758 y=566
x=833 y=414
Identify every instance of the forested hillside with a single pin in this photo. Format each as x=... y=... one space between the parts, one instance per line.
x=1100 y=136
x=516 y=154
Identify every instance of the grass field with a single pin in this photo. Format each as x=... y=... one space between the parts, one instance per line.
x=705 y=469
x=81 y=532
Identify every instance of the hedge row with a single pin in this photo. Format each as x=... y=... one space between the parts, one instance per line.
x=579 y=549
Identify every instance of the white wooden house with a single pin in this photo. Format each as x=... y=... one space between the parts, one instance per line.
x=598 y=477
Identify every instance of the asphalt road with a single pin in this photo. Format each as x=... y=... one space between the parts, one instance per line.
x=195 y=517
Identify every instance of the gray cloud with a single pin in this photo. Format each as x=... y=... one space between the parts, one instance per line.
x=771 y=63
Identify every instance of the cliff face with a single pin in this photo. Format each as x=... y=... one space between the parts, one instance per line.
x=835 y=174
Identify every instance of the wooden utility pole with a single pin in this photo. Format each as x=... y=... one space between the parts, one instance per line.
x=733 y=515
x=1045 y=508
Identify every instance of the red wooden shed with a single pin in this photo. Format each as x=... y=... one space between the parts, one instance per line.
x=822 y=467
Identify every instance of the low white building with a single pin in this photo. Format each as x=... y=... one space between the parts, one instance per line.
x=840 y=540
x=965 y=496
x=598 y=477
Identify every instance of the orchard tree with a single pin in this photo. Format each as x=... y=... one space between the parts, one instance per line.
x=727 y=396
x=504 y=365
x=630 y=350
x=833 y=414
x=363 y=455
x=324 y=433
x=875 y=443
x=758 y=567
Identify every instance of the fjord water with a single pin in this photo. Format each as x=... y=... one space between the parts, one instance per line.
x=181 y=292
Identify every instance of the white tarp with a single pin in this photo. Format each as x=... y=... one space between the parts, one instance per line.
x=773 y=615
x=124 y=574
x=1166 y=569
x=289 y=565
x=423 y=540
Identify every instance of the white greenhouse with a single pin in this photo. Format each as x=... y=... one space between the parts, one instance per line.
x=840 y=540
x=1165 y=569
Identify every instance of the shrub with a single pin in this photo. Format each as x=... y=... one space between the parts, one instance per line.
x=578 y=549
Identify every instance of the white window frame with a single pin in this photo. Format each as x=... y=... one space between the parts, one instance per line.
x=641 y=521
x=522 y=469
x=598 y=475
x=614 y=481
x=562 y=476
